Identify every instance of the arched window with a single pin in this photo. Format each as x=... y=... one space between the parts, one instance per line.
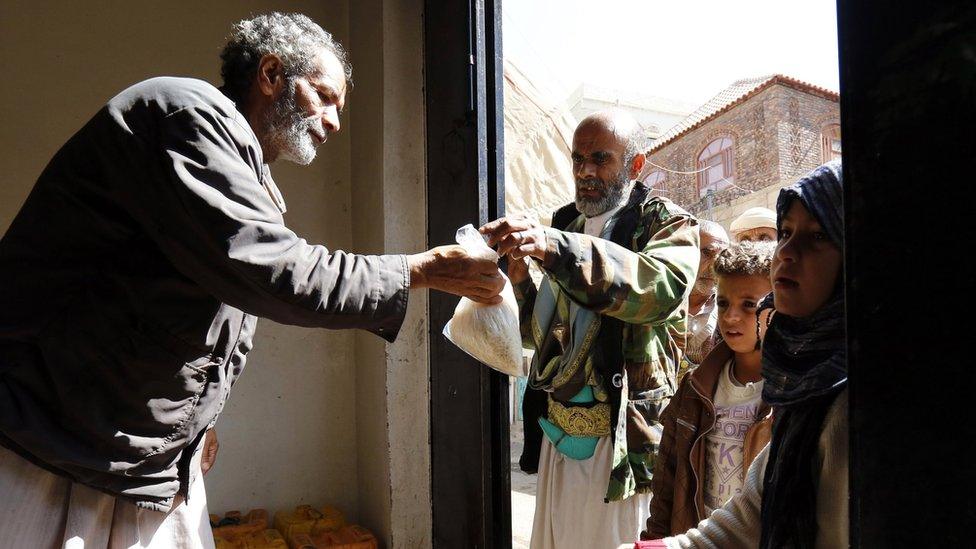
x=657 y=181
x=831 y=143
x=715 y=164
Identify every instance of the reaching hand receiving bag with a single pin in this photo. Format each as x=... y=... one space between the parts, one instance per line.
x=489 y=333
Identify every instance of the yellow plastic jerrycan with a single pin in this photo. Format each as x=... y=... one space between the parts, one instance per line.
x=307 y=520
x=347 y=537
x=301 y=541
x=332 y=519
x=266 y=539
x=234 y=526
x=221 y=543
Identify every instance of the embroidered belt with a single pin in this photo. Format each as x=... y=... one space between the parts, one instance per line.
x=578 y=421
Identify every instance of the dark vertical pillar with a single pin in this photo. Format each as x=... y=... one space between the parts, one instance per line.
x=908 y=80
x=501 y=478
x=465 y=167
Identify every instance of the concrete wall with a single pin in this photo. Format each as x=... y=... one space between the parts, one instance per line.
x=389 y=210
x=726 y=213
x=315 y=417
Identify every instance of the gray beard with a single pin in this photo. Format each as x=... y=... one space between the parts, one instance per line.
x=613 y=195
x=288 y=129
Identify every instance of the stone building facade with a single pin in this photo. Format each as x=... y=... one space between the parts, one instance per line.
x=740 y=148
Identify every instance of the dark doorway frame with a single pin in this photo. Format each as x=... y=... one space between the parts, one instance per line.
x=470 y=477
x=908 y=110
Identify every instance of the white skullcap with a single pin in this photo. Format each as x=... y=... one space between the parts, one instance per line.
x=754 y=218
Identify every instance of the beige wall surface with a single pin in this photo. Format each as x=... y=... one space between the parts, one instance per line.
x=389 y=209
x=289 y=433
x=726 y=213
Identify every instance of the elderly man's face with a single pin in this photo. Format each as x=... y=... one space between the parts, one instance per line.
x=307 y=110
x=711 y=244
x=598 y=164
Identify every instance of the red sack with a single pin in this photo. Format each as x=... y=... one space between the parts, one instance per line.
x=650 y=544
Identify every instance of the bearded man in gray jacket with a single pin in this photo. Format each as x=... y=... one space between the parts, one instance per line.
x=133 y=276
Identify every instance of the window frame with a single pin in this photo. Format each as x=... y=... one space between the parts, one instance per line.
x=663 y=181
x=726 y=155
x=828 y=134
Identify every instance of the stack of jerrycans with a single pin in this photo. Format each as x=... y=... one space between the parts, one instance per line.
x=310 y=528
x=347 y=537
x=267 y=539
x=250 y=531
x=305 y=519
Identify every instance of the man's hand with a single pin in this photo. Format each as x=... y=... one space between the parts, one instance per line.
x=210 y=448
x=450 y=269
x=516 y=237
x=518 y=270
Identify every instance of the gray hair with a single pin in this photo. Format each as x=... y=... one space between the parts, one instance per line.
x=636 y=144
x=293 y=37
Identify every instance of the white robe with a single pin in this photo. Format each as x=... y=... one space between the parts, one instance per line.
x=41 y=510
x=570 y=512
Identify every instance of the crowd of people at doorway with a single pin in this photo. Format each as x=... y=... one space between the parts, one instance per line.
x=156 y=236
x=704 y=378
x=754 y=446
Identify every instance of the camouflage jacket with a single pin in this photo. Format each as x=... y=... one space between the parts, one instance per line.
x=637 y=285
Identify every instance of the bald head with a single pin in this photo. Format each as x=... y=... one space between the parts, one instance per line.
x=607 y=156
x=618 y=123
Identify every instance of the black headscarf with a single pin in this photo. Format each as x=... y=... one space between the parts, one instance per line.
x=804 y=367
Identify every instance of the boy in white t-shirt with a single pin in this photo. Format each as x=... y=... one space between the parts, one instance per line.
x=717 y=422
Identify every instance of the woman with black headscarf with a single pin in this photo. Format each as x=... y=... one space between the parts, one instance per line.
x=796 y=491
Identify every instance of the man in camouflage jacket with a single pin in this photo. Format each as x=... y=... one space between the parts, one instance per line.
x=607 y=325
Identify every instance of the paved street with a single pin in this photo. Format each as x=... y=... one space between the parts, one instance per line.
x=523 y=495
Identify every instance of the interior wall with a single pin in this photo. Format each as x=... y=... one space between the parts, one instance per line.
x=405 y=207
x=366 y=117
x=389 y=215
x=288 y=434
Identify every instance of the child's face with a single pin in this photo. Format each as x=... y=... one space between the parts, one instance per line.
x=806 y=264
x=738 y=297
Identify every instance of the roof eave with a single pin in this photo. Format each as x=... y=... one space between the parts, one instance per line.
x=793 y=83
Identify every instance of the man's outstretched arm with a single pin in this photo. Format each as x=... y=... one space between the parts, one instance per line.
x=212 y=216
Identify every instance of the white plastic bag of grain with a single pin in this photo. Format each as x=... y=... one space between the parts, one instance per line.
x=489 y=333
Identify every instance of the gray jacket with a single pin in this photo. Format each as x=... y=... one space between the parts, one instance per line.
x=131 y=280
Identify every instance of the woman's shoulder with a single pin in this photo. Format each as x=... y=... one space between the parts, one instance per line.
x=834 y=433
x=832 y=483
x=832 y=451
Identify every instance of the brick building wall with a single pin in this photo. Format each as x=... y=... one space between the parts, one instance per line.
x=776 y=138
x=801 y=118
